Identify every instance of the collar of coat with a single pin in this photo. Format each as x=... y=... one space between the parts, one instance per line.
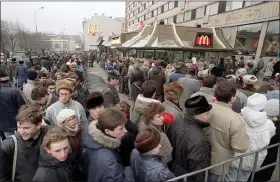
x=209 y=91
x=102 y=139
x=229 y=105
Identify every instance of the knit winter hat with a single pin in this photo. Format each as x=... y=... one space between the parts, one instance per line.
x=63 y=115
x=147 y=140
x=32 y=75
x=257 y=102
x=64 y=84
x=272 y=107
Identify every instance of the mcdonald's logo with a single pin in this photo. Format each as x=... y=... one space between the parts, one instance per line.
x=203 y=39
x=93 y=29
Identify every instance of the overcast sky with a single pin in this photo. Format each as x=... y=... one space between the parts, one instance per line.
x=57 y=16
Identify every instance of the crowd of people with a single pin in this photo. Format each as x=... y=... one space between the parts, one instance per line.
x=185 y=116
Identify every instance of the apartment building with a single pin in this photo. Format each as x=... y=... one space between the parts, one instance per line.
x=251 y=27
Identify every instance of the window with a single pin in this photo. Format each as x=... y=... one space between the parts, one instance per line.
x=247 y=38
x=187 y=16
x=200 y=12
x=181 y=3
x=175 y=19
x=250 y=3
x=271 y=45
x=232 y=5
x=193 y=14
x=145 y=6
x=171 y=5
x=152 y=14
x=175 y=4
x=57 y=46
x=165 y=8
x=212 y=9
x=180 y=18
x=170 y=20
x=155 y=12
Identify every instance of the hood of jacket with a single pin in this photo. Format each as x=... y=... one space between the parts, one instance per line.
x=46 y=160
x=156 y=70
x=141 y=102
x=99 y=140
x=253 y=118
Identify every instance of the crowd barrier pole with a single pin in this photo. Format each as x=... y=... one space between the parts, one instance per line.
x=256 y=152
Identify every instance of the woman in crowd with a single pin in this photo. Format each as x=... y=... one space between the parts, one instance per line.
x=153 y=117
x=146 y=155
x=68 y=122
x=260 y=130
x=173 y=92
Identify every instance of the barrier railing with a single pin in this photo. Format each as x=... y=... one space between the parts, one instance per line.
x=256 y=153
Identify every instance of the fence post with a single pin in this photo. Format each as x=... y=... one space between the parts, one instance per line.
x=206 y=175
x=240 y=166
x=223 y=174
x=255 y=166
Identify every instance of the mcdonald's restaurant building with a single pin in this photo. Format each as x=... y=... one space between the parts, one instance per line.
x=99 y=28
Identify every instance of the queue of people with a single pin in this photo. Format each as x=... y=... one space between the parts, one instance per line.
x=185 y=116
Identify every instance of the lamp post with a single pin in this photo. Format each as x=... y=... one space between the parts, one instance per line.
x=36 y=22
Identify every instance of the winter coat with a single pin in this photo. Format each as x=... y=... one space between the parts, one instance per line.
x=51 y=169
x=80 y=97
x=260 y=130
x=158 y=75
x=240 y=102
x=173 y=109
x=152 y=169
x=190 y=86
x=27 y=157
x=227 y=135
x=13 y=66
x=136 y=80
x=137 y=110
x=10 y=102
x=268 y=69
x=111 y=96
x=166 y=148
x=27 y=89
x=208 y=93
x=21 y=73
x=191 y=147
x=55 y=108
x=145 y=70
x=101 y=159
x=46 y=64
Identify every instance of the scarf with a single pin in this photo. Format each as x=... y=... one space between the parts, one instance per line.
x=70 y=131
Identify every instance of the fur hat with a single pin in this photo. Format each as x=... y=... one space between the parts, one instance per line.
x=64 y=84
x=147 y=140
x=218 y=72
x=113 y=74
x=272 y=108
x=63 y=115
x=240 y=72
x=257 y=102
x=32 y=75
x=94 y=99
x=250 y=79
x=173 y=90
x=197 y=105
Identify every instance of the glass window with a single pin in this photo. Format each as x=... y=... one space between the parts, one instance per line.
x=250 y=3
x=155 y=12
x=247 y=38
x=159 y=10
x=200 y=12
x=165 y=8
x=181 y=3
x=187 y=15
x=212 y=9
x=170 y=20
x=231 y=5
x=179 y=55
x=180 y=18
x=171 y=5
x=271 y=45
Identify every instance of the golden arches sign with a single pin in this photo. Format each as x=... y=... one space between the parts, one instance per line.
x=93 y=29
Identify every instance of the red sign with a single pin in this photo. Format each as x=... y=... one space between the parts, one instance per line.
x=203 y=40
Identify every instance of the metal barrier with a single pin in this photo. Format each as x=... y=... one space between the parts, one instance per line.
x=206 y=170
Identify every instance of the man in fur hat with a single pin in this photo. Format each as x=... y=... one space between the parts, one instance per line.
x=65 y=89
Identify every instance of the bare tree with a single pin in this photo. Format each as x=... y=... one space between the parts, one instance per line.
x=4 y=36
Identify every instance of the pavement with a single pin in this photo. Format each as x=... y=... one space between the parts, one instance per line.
x=97 y=79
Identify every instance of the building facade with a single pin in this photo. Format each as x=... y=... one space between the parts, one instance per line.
x=59 y=45
x=100 y=27
x=251 y=27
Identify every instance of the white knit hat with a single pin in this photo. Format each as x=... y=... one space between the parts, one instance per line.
x=63 y=115
x=272 y=107
x=257 y=102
